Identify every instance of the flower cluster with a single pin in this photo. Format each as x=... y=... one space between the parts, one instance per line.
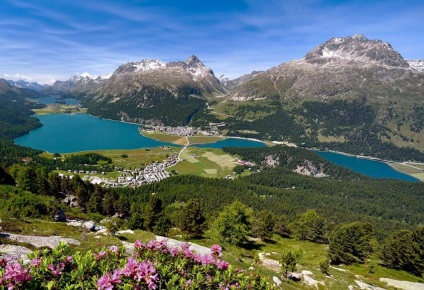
x=154 y=265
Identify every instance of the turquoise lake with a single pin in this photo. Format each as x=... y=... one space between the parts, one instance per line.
x=371 y=168
x=52 y=100
x=65 y=133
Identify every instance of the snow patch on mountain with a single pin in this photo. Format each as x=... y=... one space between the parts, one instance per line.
x=146 y=65
x=417 y=64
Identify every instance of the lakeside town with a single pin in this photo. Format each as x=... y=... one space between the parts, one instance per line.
x=211 y=130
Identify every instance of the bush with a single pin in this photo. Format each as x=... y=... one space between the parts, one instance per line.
x=151 y=266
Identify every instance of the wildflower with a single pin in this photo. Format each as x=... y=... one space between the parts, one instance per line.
x=216 y=251
x=130 y=268
x=138 y=244
x=104 y=283
x=99 y=256
x=36 y=262
x=222 y=265
x=114 y=249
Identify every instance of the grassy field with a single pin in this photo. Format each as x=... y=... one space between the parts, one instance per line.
x=161 y=136
x=200 y=139
x=205 y=162
x=60 y=109
x=416 y=170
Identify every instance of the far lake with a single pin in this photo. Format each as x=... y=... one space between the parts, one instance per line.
x=53 y=100
x=371 y=168
x=65 y=133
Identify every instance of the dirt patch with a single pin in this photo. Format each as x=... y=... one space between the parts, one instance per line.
x=181 y=141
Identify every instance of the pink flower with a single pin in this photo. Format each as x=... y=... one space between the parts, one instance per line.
x=222 y=265
x=130 y=268
x=114 y=249
x=138 y=244
x=36 y=262
x=15 y=273
x=104 y=283
x=69 y=259
x=99 y=256
x=55 y=271
x=216 y=251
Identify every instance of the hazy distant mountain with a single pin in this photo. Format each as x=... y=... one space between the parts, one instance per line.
x=231 y=84
x=28 y=85
x=152 y=91
x=78 y=86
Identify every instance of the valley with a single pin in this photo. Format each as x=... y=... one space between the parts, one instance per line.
x=306 y=173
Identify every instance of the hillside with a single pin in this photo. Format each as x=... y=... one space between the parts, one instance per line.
x=15 y=110
x=347 y=90
x=155 y=92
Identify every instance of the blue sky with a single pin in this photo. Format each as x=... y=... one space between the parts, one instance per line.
x=41 y=40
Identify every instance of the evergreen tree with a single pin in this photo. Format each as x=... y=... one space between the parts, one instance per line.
x=6 y=178
x=404 y=250
x=233 y=224
x=162 y=226
x=281 y=226
x=311 y=226
x=351 y=243
x=263 y=224
x=191 y=220
x=288 y=263
x=154 y=212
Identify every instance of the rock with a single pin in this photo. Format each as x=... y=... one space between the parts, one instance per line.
x=305 y=272
x=15 y=252
x=295 y=276
x=60 y=216
x=405 y=285
x=277 y=282
x=125 y=232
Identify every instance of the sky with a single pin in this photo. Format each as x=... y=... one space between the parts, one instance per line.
x=47 y=40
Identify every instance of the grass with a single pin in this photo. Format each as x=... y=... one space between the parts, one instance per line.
x=160 y=136
x=204 y=139
x=310 y=254
x=205 y=162
x=60 y=109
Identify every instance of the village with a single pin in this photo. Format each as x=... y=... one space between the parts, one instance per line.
x=152 y=172
x=212 y=130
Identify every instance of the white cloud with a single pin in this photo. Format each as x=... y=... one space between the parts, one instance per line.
x=18 y=76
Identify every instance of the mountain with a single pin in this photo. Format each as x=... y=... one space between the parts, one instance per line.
x=341 y=67
x=28 y=85
x=155 y=92
x=417 y=64
x=231 y=84
x=346 y=89
x=15 y=110
x=78 y=86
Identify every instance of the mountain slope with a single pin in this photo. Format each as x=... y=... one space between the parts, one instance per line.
x=155 y=92
x=346 y=89
x=15 y=110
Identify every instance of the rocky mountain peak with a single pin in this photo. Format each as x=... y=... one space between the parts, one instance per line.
x=194 y=61
x=356 y=49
